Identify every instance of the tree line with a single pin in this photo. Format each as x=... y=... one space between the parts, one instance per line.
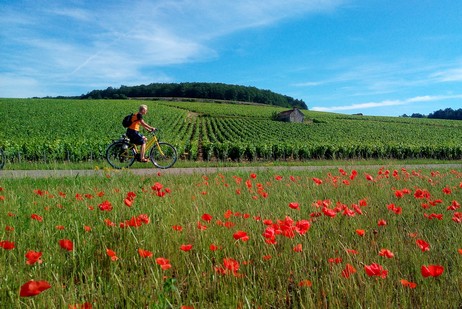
x=447 y=113
x=214 y=91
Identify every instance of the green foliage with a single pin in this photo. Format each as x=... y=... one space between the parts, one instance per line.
x=204 y=91
x=80 y=130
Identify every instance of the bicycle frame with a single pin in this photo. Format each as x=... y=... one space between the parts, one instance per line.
x=153 y=141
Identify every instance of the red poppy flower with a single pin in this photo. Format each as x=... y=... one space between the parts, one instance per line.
x=454 y=205
x=186 y=247
x=144 y=253
x=9 y=228
x=306 y=283
x=386 y=253
x=253 y=175
x=109 y=222
x=459 y=250
x=33 y=257
x=278 y=177
x=241 y=235
x=112 y=254
x=433 y=216
x=360 y=232
x=336 y=260
x=267 y=257
x=348 y=271
x=86 y=305
x=349 y=212
x=60 y=227
x=105 y=206
x=213 y=247
x=32 y=288
x=447 y=190
x=163 y=263
x=376 y=270
x=329 y=212
x=294 y=205
x=128 y=202
x=228 y=214
x=207 y=217
x=317 y=181
x=369 y=177
x=381 y=222
x=157 y=186
x=36 y=217
x=423 y=245
x=231 y=264
x=302 y=226
x=396 y=210
x=352 y=251
x=457 y=217
x=409 y=284
x=7 y=245
x=353 y=174
x=66 y=244
x=178 y=228
x=298 y=248
x=200 y=226
x=432 y=270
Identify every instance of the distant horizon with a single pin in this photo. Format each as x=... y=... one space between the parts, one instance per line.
x=378 y=58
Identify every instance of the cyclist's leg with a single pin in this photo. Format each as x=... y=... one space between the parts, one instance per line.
x=138 y=139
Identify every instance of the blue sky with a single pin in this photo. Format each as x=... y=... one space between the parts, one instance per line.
x=376 y=57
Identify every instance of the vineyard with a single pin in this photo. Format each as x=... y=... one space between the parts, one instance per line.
x=80 y=130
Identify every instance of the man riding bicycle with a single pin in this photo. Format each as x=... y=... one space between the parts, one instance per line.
x=133 y=131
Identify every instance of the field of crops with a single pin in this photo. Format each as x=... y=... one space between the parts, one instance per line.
x=342 y=238
x=80 y=130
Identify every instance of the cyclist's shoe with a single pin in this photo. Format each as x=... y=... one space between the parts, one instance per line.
x=144 y=160
x=137 y=156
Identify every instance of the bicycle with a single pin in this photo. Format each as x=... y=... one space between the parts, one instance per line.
x=122 y=153
x=2 y=159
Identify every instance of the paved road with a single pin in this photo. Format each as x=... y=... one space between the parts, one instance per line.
x=209 y=170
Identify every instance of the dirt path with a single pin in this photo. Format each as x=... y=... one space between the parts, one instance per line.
x=208 y=170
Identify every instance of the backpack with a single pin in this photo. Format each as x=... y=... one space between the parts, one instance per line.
x=127 y=121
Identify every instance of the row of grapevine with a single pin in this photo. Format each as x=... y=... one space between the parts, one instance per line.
x=78 y=130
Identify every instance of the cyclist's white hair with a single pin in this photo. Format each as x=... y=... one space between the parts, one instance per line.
x=143 y=107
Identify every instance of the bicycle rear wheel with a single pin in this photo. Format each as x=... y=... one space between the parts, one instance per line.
x=2 y=159
x=120 y=155
x=163 y=156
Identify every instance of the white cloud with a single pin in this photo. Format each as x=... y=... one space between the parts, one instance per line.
x=450 y=75
x=418 y=99
x=114 y=42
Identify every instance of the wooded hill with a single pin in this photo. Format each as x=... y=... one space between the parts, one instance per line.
x=210 y=91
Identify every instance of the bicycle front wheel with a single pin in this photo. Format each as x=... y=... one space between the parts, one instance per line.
x=120 y=155
x=163 y=155
x=2 y=159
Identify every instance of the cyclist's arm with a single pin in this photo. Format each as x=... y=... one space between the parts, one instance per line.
x=146 y=126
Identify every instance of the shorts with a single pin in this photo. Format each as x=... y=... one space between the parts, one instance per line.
x=135 y=137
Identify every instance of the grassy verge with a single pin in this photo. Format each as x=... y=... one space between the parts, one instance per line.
x=265 y=239
x=60 y=165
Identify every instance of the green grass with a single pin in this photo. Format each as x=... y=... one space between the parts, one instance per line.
x=98 y=164
x=268 y=275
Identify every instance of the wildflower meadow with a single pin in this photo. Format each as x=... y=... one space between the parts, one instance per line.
x=338 y=238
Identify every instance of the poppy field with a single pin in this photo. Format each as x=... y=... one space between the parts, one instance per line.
x=338 y=238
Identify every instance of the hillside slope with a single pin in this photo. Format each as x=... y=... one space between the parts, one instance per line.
x=79 y=130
